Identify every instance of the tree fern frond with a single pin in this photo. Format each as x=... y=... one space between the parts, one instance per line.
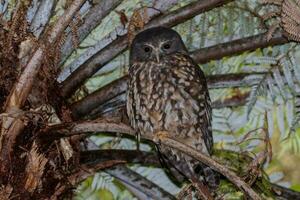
x=287 y=71
x=295 y=123
x=255 y=91
x=290 y=18
x=274 y=2
x=279 y=82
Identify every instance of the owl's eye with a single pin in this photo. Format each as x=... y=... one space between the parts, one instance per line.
x=147 y=49
x=167 y=46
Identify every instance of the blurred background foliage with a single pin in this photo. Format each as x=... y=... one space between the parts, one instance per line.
x=270 y=114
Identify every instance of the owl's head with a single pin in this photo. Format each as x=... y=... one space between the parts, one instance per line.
x=154 y=43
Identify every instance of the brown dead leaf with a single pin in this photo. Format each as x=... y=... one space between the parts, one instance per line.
x=34 y=169
x=123 y=17
x=5 y=192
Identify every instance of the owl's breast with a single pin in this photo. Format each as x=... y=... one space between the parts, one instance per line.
x=164 y=100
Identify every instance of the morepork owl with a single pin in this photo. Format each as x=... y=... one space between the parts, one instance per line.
x=167 y=92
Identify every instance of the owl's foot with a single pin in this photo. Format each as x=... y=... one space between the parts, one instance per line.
x=160 y=135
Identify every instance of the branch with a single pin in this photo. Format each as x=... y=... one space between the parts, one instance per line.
x=118 y=87
x=149 y=158
x=91 y=20
x=238 y=46
x=116 y=106
x=97 y=61
x=231 y=176
x=81 y=175
x=93 y=157
x=160 y=5
x=42 y=16
x=134 y=180
x=285 y=193
x=88 y=127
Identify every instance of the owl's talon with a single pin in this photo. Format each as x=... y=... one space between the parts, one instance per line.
x=160 y=135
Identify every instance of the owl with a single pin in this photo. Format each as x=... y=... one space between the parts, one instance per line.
x=167 y=92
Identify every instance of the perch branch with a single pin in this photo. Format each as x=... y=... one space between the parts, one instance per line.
x=97 y=61
x=231 y=176
x=89 y=127
x=149 y=158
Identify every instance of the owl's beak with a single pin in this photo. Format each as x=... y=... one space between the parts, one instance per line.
x=157 y=55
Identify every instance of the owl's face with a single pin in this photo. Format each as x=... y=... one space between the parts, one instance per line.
x=154 y=43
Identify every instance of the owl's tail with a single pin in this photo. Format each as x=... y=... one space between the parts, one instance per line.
x=180 y=168
x=211 y=177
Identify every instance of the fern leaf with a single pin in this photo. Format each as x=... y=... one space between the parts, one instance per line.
x=288 y=76
x=280 y=83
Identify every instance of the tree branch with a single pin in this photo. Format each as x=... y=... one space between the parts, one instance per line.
x=97 y=61
x=231 y=176
x=81 y=175
x=285 y=193
x=93 y=157
x=42 y=16
x=160 y=5
x=117 y=105
x=88 y=127
x=149 y=158
x=91 y=20
x=134 y=180
x=234 y=47
x=118 y=87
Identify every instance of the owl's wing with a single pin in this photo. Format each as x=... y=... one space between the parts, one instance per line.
x=194 y=76
x=207 y=116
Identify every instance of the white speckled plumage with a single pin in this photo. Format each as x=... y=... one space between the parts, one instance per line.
x=169 y=94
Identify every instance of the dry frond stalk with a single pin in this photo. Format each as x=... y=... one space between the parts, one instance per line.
x=123 y=17
x=74 y=30
x=5 y=192
x=274 y=2
x=137 y=22
x=290 y=19
x=34 y=169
